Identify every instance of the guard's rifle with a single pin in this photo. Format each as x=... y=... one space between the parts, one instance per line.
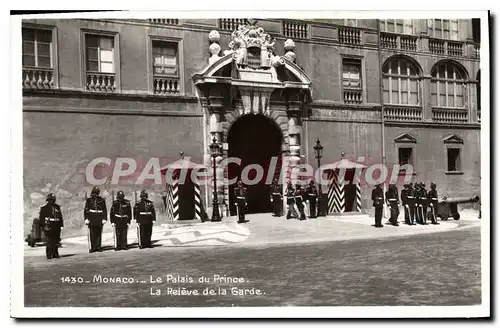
x=88 y=225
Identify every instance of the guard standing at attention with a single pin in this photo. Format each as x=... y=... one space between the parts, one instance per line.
x=290 y=202
x=412 y=205
x=404 y=202
x=418 y=203
x=432 y=197
x=391 y=196
x=120 y=216
x=424 y=202
x=240 y=193
x=95 y=214
x=145 y=216
x=51 y=221
x=299 y=200
x=312 y=196
x=276 y=198
x=378 y=203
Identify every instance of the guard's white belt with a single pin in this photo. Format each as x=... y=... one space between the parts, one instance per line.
x=392 y=199
x=121 y=216
x=434 y=198
x=52 y=219
x=410 y=197
x=276 y=193
x=312 y=194
x=145 y=213
x=95 y=211
x=239 y=197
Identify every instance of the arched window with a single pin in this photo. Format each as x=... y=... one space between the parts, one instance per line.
x=401 y=82
x=448 y=86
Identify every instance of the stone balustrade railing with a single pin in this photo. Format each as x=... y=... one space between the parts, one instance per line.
x=450 y=115
x=349 y=35
x=101 y=82
x=437 y=46
x=388 y=40
x=231 y=24
x=163 y=85
x=353 y=96
x=403 y=113
x=295 y=29
x=409 y=42
x=164 y=21
x=455 y=49
x=38 y=78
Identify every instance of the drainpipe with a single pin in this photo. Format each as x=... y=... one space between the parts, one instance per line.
x=382 y=119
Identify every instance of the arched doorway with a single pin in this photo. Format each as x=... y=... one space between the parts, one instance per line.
x=255 y=139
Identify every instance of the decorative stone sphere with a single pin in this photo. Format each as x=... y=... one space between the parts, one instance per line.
x=213 y=36
x=289 y=44
x=214 y=49
x=252 y=33
x=290 y=56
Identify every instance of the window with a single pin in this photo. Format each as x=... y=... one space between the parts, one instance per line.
x=165 y=58
x=100 y=53
x=448 y=86
x=405 y=156
x=404 y=26
x=453 y=159
x=443 y=28
x=351 y=73
x=351 y=80
x=401 y=82
x=37 y=48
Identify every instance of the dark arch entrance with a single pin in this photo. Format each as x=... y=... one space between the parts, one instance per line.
x=255 y=139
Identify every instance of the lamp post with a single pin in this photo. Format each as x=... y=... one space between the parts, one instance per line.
x=318 y=152
x=214 y=152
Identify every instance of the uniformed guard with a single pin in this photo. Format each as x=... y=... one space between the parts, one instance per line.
x=432 y=197
x=276 y=198
x=418 y=203
x=120 y=216
x=412 y=204
x=312 y=196
x=240 y=193
x=391 y=195
x=290 y=202
x=378 y=203
x=404 y=202
x=424 y=202
x=145 y=216
x=51 y=221
x=95 y=214
x=299 y=200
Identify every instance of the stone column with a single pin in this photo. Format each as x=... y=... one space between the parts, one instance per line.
x=294 y=135
x=215 y=108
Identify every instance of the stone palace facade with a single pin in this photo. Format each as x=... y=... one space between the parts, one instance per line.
x=387 y=91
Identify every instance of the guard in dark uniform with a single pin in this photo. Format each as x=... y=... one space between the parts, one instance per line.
x=51 y=221
x=424 y=202
x=240 y=193
x=299 y=200
x=312 y=197
x=412 y=204
x=418 y=203
x=391 y=196
x=378 y=203
x=290 y=202
x=120 y=216
x=432 y=198
x=95 y=214
x=145 y=216
x=404 y=202
x=276 y=198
